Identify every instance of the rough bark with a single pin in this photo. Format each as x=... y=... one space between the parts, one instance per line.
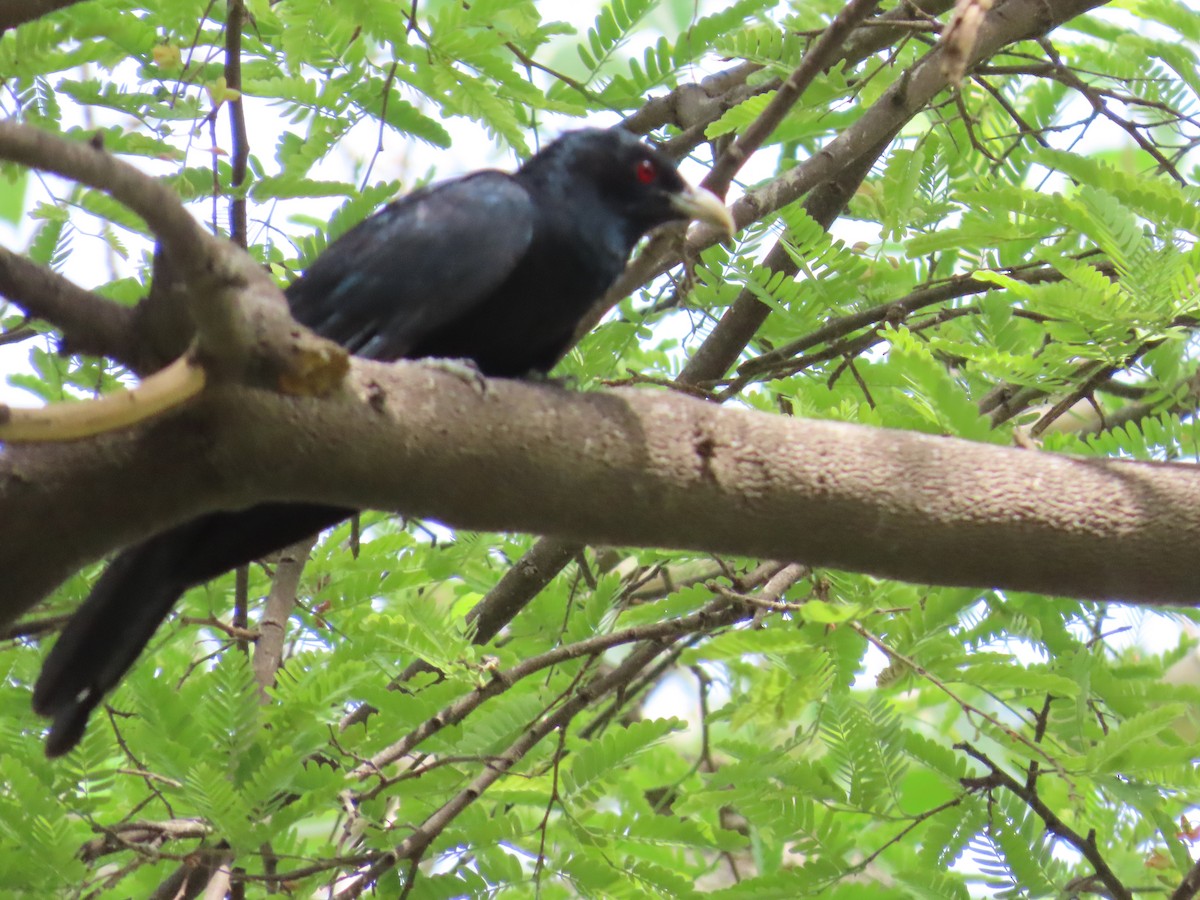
x=640 y=467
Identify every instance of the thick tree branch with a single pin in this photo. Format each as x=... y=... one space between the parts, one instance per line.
x=18 y=12
x=630 y=467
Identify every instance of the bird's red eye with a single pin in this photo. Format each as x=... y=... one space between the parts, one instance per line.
x=645 y=171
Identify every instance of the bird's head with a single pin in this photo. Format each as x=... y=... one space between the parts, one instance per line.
x=633 y=181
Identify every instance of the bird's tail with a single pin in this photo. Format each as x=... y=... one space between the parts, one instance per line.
x=104 y=636
x=109 y=631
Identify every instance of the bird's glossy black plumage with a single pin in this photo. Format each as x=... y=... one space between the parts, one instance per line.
x=498 y=269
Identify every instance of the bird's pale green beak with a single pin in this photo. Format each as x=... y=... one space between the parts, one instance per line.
x=704 y=206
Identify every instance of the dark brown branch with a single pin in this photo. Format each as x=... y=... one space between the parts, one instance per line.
x=18 y=12
x=33 y=628
x=18 y=334
x=714 y=616
x=1023 y=127
x=277 y=881
x=785 y=361
x=816 y=60
x=916 y=822
x=414 y=846
x=894 y=310
x=530 y=63
x=523 y=580
x=192 y=877
x=1006 y=401
x=1186 y=401
x=1095 y=99
x=235 y=19
x=90 y=324
x=1190 y=886
x=1086 y=846
x=1101 y=374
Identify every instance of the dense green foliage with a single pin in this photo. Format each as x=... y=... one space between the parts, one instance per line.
x=845 y=738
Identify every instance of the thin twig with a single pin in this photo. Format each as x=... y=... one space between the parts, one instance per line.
x=714 y=615
x=823 y=54
x=234 y=20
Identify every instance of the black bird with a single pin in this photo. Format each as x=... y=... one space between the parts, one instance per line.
x=494 y=268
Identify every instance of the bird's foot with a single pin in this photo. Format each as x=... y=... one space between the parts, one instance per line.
x=464 y=370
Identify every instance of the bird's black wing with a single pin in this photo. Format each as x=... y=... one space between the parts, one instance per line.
x=419 y=264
